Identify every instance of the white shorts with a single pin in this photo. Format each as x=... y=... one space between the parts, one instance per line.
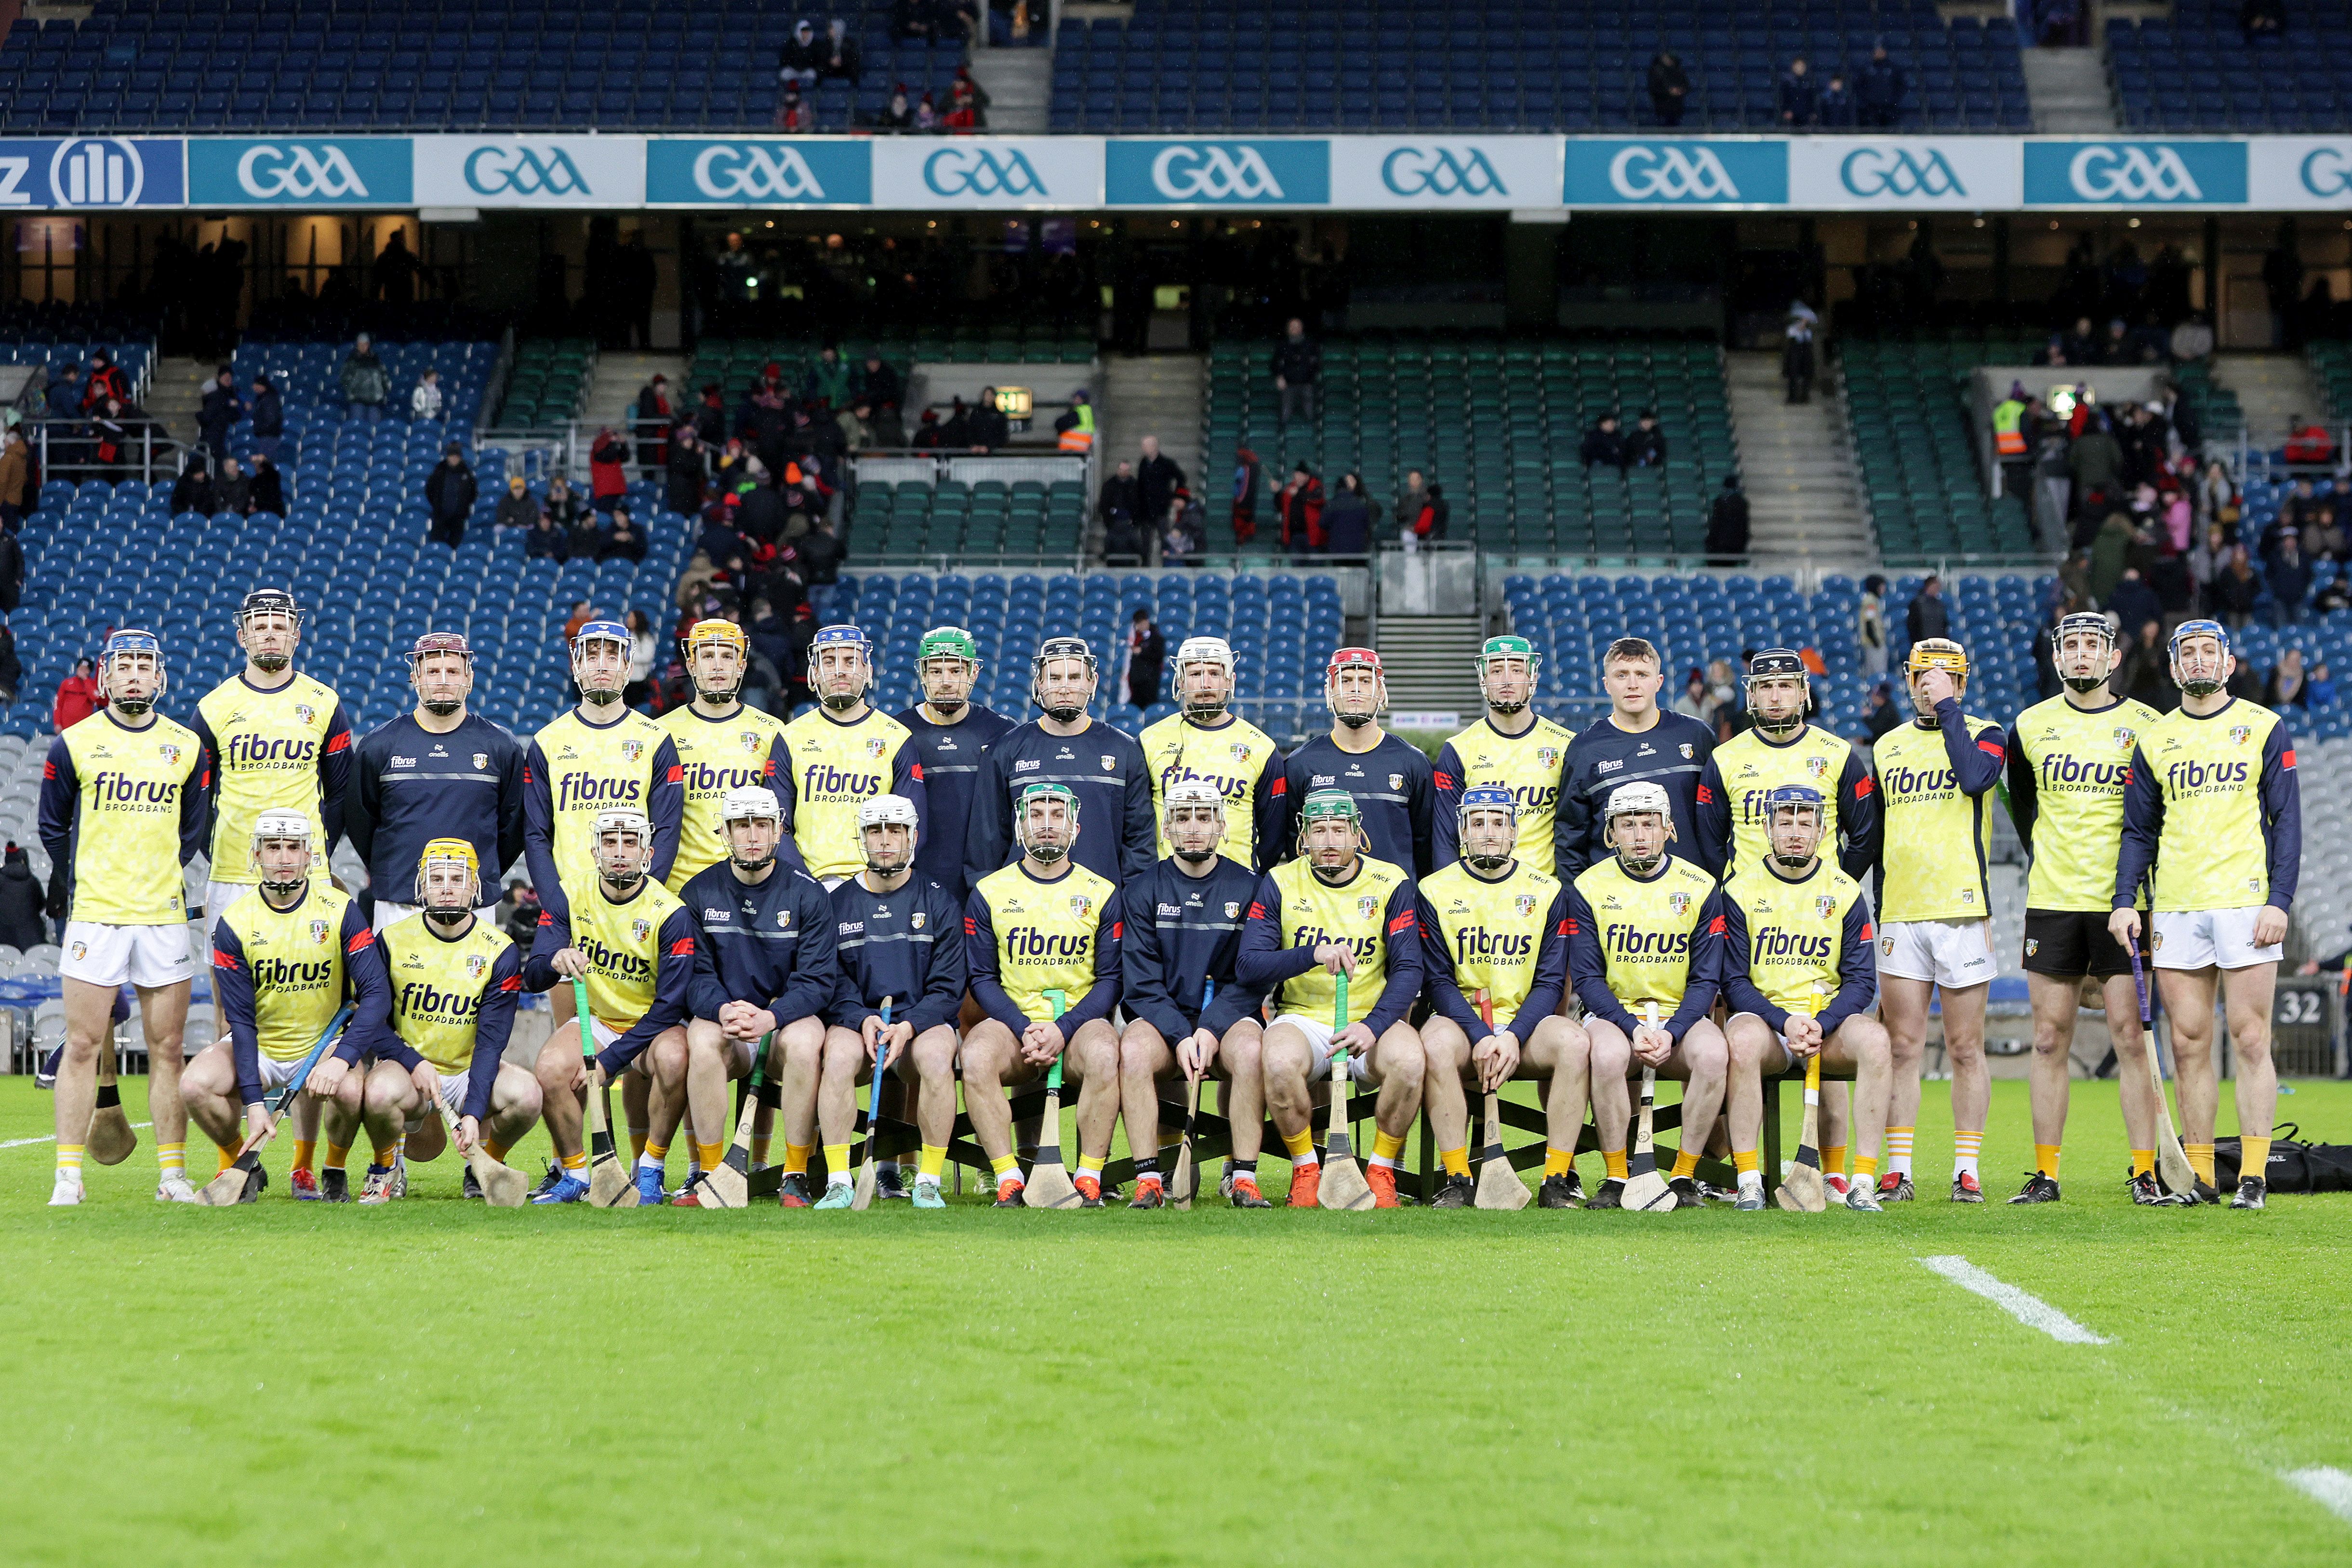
x=220 y=896
x=1318 y=1033
x=830 y=883
x=393 y=914
x=2206 y=939
x=453 y=1095
x=276 y=1075
x=1949 y=954
x=146 y=956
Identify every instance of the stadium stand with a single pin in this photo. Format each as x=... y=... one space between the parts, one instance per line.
x=137 y=359
x=1907 y=403
x=2331 y=367
x=1498 y=425
x=207 y=66
x=1024 y=520
x=2195 y=71
x=734 y=364
x=1526 y=65
x=548 y=383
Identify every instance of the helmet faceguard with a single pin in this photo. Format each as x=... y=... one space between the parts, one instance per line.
x=1061 y=693
x=1045 y=834
x=946 y=662
x=269 y=624
x=1638 y=823
x=1480 y=846
x=282 y=871
x=1778 y=691
x=1355 y=688
x=1330 y=854
x=841 y=667
x=1193 y=818
x=717 y=654
x=1506 y=673
x=1204 y=677
x=448 y=881
x=745 y=807
x=886 y=852
x=1795 y=818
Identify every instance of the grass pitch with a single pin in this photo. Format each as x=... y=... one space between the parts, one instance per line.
x=428 y=1382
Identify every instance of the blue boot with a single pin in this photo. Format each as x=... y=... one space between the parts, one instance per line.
x=566 y=1189
x=649 y=1186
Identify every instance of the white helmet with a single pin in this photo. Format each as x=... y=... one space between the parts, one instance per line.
x=1636 y=800
x=751 y=800
x=279 y=822
x=623 y=819
x=875 y=810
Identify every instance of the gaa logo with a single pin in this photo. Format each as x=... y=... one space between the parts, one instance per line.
x=1896 y=172
x=2106 y=172
x=268 y=170
x=1440 y=172
x=982 y=172
x=2325 y=173
x=524 y=171
x=751 y=173
x=1670 y=174
x=1218 y=172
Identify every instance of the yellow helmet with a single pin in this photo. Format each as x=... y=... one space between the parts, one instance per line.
x=714 y=630
x=447 y=851
x=1939 y=653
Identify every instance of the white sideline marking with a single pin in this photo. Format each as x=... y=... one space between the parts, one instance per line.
x=2027 y=1309
x=2330 y=1489
x=49 y=1137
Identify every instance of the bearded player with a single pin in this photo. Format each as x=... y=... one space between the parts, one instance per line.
x=1493 y=928
x=2069 y=759
x=1935 y=776
x=723 y=745
x=1101 y=766
x=1335 y=911
x=952 y=735
x=1512 y=747
x=1644 y=946
x=2212 y=802
x=1204 y=742
x=842 y=753
x=1188 y=1013
x=1391 y=780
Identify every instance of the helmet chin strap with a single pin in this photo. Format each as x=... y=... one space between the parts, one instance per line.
x=272 y=662
x=1793 y=862
x=1353 y=721
x=134 y=706
x=1196 y=856
x=1063 y=715
x=2083 y=682
x=1782 y=726
x=1333 y=875
x=442 y=707
x=761 y=864
x=1641 y=868
x=455 y=917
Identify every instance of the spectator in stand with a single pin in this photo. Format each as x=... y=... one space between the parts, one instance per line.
x=116 y=428
x=1298 y=368
x=233 y=489
x=1157 y=480
x=1348 y=519
x=2096 y=464
x=2142 y=675
x=803 y=58
x=966 y=103
x=1694 y=703
x=2236 y=588
x=11 y=573
x=518 y=508
x=585 y=538
x=819 y=553
x=425 y=402
x=449 y=491
x=365 y=381
x=1669 y=87
x=1300 y=508
x=561 y=504
x=64 y=395
x=762 y=514
x=1122 y=539
x=1837 y=107
x=608 y=476
x=898 y=115
x=268 y=408
x=2285 y=688
x=880 y=385
x=645 y=653
x=2135 y=600
x=1645 y=445
x=855 y=421
x=828 y=379
x=17 y=495
x=1929 y=615
x=1726 y=525
x=2319 y=691
x=106 y=380
x=990 y=429
x=221 y=408
x=1146 y=657
x=927 y=116
x=710 y=416
x=545 y=541
x=1118 y=500
x=793 y=111
x=1870 y=626
x=194 y=490
x=1409 y=503
x=1797 y=354
x=2308 y=441
x=1798 y=104
x=2217 y=495
x=268 y=494
x=1249 y=479
x=2323 y=540
x=1429 y=525
x=1878 y=90
x=1185 y=535
x=2205 y=562
x=1880 y=717
x=733 y=469
x=23 y=923
x=2262 y=20
x=1604 y=443
x=688 y=471
x=2288 y=576
x=655 y=420
x=911 y=21
x=844 y=62
x=77 y=698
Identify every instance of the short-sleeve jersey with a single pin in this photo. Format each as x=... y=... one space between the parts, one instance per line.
x=2077 y=763
x=1493 y=933
x=1356 y=912
x=1046 y=933
x=1646 y=927
x=1528 y=764
x=270 y=746
x=1234 y=759
x=1796 y=933
x=131 y=790
x=440 y=984
x=715 y=755
x=1938 y=838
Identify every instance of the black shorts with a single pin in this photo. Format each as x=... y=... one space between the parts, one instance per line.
x=2070 y=943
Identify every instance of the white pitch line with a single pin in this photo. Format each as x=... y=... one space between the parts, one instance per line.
x=50 y=1138
x=2331 y=1488
x=2027 y=1309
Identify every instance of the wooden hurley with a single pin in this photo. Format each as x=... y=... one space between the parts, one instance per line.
x=1049 y=1186
x=241 y=1183
x=1343 y=1185
x=109 y=1139
x=1499 y=1187
x=503 y=1186
x=1645 y=1190
x=2172 y=1160
x=609 y=1186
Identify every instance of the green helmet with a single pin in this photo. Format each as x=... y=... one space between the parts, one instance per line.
x=946 y=642
x=1507 y=647
x=1328 y=803
x=1035 y=795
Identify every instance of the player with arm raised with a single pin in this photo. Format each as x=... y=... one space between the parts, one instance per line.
x=2069 y=760
x=1335 y=910
x=763 y=966
x=1800 y=975
x=901 y=941
x=842 y=753
x=1205 y=743
x=1392 y=781
x=1102 y=767
x=1043 y=925
x=633 y=943
x=1491 y=925
x=1936 y=777
x=126 y=798
x=1635 y=742
x=1646 y=942
x=437 y=772
x=2212 y=804
x=1188 y=1013
x=1781 y=748
x=1513 y=747
x=952 y=735
x=723 y=745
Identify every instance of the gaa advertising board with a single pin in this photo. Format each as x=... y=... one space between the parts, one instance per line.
x=1434 y=171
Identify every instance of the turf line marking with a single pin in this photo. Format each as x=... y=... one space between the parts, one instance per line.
x=2027 y=1309
x=2331 y=1488
x=49 y=1137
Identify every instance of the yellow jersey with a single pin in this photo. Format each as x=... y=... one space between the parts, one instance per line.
x=743 y=750
x=453 y=998
x=574 y=769
x=1746 y=769
x=280 y=976
x=1506 y=936
x=1236 y=759
x=2067 y=769
x=1934 y=783
x=123 y=810
x=640 y=954
x=1529 y=765
x=835 y=766
x=286 y=749
x=1374 y=912
x=1637 y=942
x=1025 y=935
x=1798 y=946
x=2212 y=802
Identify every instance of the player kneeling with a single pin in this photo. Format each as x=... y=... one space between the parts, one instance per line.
x=1796 y=930
x=1495 y=928
x=764 y=971
x=1644 y=933
x=1335 y=911
x=1039 y=933
x=634 y=944
x=455 y=981
x=1182 y=938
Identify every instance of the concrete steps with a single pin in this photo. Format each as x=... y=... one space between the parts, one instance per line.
x=1019 y=82
x=175 y=392
x=1148 y=395
x=1429 y=662
x=2271 y=388
x=1804 y=494
x=2068 y=90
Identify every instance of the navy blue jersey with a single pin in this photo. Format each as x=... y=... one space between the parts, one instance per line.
x=411 y=786
x=950 y=755
x=1395 y=787
x=1671 y=754
x=768 y=942
x=1104 y=766
x=906 y=945
x=1180 y=935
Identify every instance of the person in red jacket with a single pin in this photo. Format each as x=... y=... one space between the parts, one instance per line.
x=1300 y=505
x=608 y=478
x=78 y=698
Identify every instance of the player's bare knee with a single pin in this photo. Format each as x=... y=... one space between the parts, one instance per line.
x=1704 y=1052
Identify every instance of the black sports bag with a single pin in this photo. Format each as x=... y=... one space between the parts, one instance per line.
x=2294 y=1167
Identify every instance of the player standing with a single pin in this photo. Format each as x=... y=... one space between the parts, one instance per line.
x=437 y=772
x=2069 y=759
x=1335 y=910
x=1101 y=766
x=599 y=756
x=1935 y=906
x=126 y=798
x=952 y=735
x=1207 y=743
x=2212 y=802
x=1391 y=780
x=1646 y=931
x=723 y=745
x=844 y=751
x=1491 y=925
x=1781 y=748
x=1635 y=742
x=1188 y=1013
x=1513 y=747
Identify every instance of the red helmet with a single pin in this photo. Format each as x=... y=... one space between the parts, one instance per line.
x=1353 y=659
x=431 y=643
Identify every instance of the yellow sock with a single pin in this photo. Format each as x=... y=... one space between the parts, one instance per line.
x=1866 y=1168
x=1686 y=1162
x=495 y=1150
x=380 y=1154
x=797 y=1157
x=657 y=1153
x=304 y=1148
x=2256 y=1160
x=1744 y=1162
x=1386 y=1148
x=69 y=1157
x=1091 y=1165
x=338 y=1155
x=637 y=1143
x=1558 y=1162
x=710 y=1156
x=2200 y=1160
x=576 y=1162
x=172 y=1159
x=227 y=1158
x=933 y=1161
x=1457 y=1160
x=1833 y=1159
x=1004 y=1165
x=836 y=1161
x=1614 y=1160
x=2143 y=1161
x=1301 y=1145
x=2045 y=1159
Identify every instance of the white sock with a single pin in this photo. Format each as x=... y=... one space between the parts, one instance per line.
x=1900 y=1165
x=837 y=1179
x=1751 y=1181
x=648 y=1162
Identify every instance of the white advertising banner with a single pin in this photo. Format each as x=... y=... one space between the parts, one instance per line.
x=1446 y=172
x=494 y=171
